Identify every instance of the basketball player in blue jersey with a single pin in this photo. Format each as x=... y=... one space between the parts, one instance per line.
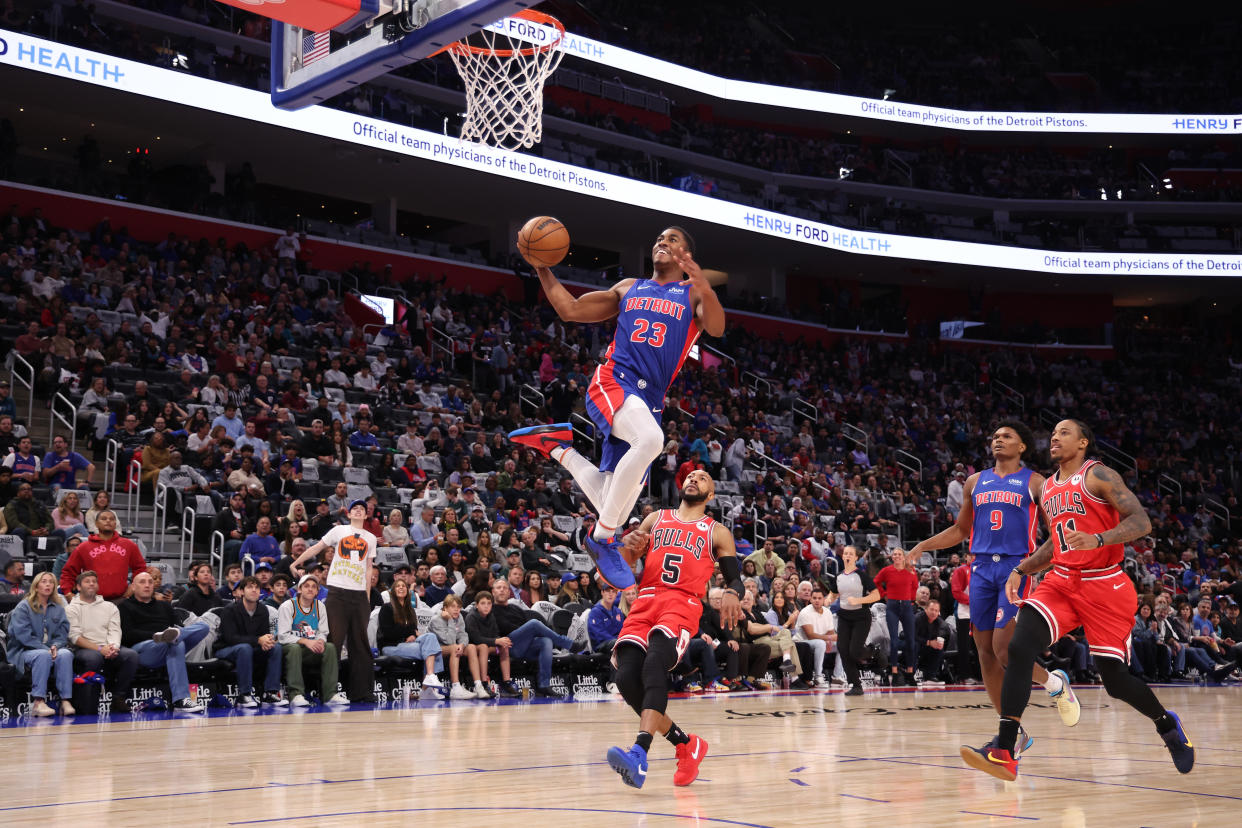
x=658 y=321
x=1000 y=516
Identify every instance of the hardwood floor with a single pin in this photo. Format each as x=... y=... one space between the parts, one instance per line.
x=807 y=759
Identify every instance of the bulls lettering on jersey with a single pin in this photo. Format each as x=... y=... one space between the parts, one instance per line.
x=1006 y=517
x=655 y=330
x=1071 y=507
x=680 y=556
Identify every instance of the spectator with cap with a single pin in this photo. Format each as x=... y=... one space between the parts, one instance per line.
x=244 y=637
x=302 y=632
x=38 y=638
x=95 y=635
x=568 y=592
x=60 y=466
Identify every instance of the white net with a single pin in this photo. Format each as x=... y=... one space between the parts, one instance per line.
x=504 y=79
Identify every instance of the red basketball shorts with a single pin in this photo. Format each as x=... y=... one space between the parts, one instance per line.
x=674 y=613
x=1101 y=601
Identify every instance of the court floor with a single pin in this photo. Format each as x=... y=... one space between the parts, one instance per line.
x=800 y=759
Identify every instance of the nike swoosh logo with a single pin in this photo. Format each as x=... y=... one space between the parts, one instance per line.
x=1118 y=586
x=994 y=760
x=642 y=772
x=695 y=755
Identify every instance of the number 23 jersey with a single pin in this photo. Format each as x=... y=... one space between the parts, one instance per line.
x=680 y=557
x=1070 y=507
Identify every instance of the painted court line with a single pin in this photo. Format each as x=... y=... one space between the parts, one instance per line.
x=1002 y=816
x=508 y=809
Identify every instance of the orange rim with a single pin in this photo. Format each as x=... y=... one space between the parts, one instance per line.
x=462 y=47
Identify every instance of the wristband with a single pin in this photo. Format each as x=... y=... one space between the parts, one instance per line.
x=1018 y=571
x=1099 y=539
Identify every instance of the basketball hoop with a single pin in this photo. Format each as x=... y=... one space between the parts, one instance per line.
x=504 y=79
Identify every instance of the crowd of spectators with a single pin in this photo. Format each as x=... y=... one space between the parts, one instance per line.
x=1038 y=172
x=246 y=392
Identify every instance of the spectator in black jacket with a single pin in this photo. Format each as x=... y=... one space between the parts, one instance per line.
x=199 y=596
x=564 y=501
x=149 y=627
x=482 y=627
x=231 y=522
x=526 y=637
x=246 y=634
x=931 y=634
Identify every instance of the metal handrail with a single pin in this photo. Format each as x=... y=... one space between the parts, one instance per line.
x=1166 y=483
x=28 y=383
x=805 y=409
x=159 y=517
x=756 y=382
x=1218 y=509
x=530 y=395
x=757 y=525
x=215 y=554
x=111 y=451
x=187 y=536
x=1049 y=418
x=133 y=502
x=70 y=422
x=913 y=465
x=1012 y=394
x=586 y=431
x=857 y=436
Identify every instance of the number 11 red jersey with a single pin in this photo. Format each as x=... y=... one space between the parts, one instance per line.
x=1070 y=507
x=680 y=557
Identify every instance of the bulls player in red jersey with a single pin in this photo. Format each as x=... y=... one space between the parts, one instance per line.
x=1092 y=514
x=680 y=548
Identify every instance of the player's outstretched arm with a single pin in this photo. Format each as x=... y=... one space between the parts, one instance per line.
x=959 y=531
x=1106 y=483
x=593 y=306
x=708 y=310
x=1033 y=564
x=726 y=554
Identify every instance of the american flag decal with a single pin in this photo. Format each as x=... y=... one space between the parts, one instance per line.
x=314 y=46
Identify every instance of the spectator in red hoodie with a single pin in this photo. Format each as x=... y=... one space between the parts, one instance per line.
x=111 y=556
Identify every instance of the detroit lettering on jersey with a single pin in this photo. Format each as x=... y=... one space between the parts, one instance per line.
x=999 y=496
x=692 y=542
x=651 y=303
x=1059 y=503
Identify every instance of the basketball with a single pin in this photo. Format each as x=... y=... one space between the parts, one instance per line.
x=543 y=241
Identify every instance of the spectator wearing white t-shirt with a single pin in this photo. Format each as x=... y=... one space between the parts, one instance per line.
x=817 y=627
x=348 y=603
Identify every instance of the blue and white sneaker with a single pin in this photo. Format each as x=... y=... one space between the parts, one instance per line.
x=1178 y=743
x=1067 y=703
x=631 y=764
x=612 y=568
x=544 y=438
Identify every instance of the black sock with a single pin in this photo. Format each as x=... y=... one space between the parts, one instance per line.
x=643 y=740
x=1008 y=735
x=677 y=736
x=1165 y=724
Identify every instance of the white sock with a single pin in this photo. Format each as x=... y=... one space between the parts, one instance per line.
x=786 y=657
x=590 y=479
x=1054 y=684
x=457 y=684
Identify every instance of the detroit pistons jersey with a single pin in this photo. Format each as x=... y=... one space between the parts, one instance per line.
x=655 y=331
x=1006 y=516
x=680 y=557
x=1071 y=507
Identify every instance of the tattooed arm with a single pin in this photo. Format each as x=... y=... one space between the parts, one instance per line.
x=1105 y=483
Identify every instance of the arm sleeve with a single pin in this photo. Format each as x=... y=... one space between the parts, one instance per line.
x=478 y=635
x=462 y=636
x=114 y=628
x=20 y=629
x=58 y=635
x=321 y=633
x=74 y=614
x=881 y=581
x=958 y=583
x=284 y=623
x=868 y=585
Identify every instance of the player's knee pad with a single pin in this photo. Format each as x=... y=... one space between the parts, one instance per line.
x=630 y=659
x=1030 y=637
x=661 y=657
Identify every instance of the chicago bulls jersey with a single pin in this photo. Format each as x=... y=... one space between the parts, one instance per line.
x=1070 y=507
x=655 y=331
x=680 y=557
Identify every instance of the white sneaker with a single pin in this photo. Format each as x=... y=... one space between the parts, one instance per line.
x=247 y=700
x=819 y=681
x=299 y=701
x=481 y=691
x=432 y=680
x=41 y=709
x=66 y=709
x=339 y=698
x=1067 y=702
x=611 y=687
x=460 y=693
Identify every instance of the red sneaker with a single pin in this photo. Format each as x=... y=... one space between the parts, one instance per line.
x=689 y=757
x=544 y=438
x=991 y=760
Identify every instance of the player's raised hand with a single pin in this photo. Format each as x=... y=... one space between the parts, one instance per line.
x=730 y=610
x=691 y=268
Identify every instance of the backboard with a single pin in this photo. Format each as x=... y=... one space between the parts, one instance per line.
x=371 y=38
